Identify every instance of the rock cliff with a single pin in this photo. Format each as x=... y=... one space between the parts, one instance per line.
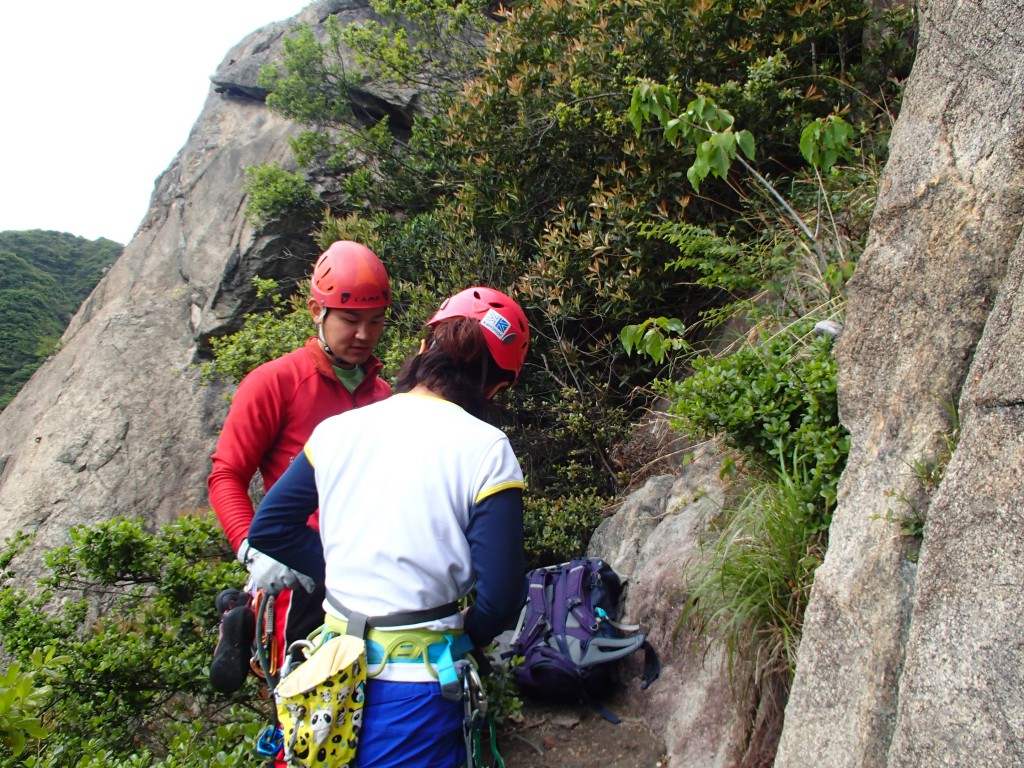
x=913 y=651
x=913 y=648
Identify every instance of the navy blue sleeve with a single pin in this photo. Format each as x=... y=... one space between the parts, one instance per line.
x=495 y=536
x=279 y=528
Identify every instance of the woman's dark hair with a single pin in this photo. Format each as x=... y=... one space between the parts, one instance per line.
x=457 y=364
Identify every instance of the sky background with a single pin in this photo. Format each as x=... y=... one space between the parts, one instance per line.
x=98 y=97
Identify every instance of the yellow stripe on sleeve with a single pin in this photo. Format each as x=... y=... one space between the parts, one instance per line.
x=497 y=489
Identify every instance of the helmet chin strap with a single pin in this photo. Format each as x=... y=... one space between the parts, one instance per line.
x=320 y=337
x=335 y=360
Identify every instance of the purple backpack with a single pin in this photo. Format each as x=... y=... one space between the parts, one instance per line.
x=568 y=637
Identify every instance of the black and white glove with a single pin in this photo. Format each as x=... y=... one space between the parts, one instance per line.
x=270 y=575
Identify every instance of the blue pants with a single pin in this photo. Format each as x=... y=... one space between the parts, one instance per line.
x=410 y=725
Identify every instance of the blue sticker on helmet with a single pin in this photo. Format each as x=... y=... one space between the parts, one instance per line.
x=496 y=324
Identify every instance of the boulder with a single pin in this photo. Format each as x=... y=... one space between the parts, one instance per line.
x=650 y=539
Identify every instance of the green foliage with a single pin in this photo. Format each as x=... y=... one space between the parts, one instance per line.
x=752 y=580
x=825 y=141
x=503 y=702
x=264 y=335
x=44 y=277
x=418 y=42
x=130 y=620
x=722 y=263
x=533 y=176
x=654 y=337
x=769 y=269
x=777 y=403
x=275 y=193
x=227 y=746
x=559 y=529
x=22 y=699
x=774 y=401
x=312 y=86
x=702 y=123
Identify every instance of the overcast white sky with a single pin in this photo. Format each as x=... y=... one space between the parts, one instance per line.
x=98 y=97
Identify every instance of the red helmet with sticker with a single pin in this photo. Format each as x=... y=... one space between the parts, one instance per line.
x=504 y=323
x=349 y=275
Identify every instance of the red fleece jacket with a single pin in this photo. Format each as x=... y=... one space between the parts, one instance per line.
x=272 y=415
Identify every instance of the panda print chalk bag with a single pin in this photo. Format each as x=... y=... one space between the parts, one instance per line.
x=320 y=702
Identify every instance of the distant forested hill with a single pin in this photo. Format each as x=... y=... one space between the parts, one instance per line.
x=44 y=278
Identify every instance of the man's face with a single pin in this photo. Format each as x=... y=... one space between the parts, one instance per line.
x=352 y=334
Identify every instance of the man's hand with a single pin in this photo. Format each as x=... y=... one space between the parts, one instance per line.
x=270 y=575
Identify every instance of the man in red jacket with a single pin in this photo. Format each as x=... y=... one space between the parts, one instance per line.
x=273 y=413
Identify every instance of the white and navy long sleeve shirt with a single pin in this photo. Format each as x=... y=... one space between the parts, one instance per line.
x=419 y=503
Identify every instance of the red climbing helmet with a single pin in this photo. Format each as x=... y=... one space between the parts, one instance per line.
x=350 y=276
x=505 y=328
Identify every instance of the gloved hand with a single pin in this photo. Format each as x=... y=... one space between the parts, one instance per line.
x=270 y=575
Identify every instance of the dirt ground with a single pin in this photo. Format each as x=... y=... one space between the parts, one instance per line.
x=570 y=736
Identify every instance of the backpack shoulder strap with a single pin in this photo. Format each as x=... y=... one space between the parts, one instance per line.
x=535 y=618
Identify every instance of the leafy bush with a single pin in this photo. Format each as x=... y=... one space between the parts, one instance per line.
x=131 y=617
x=559 y=529
x=264 y=335
x=22 y=699
x=777 y=403
x=275 y=193
x=529 y=175
x=227 y=746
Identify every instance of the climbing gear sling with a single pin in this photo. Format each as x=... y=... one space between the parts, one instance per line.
x=477 y=721
x=264 y=664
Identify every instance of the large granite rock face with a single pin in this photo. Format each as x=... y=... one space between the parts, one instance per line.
x=914 y=660
x=116 y=423
x=913 y=647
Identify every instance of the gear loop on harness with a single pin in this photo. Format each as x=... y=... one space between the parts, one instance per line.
x=476 y=719
x=266 y=641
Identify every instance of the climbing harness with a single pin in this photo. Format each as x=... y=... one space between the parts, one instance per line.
x=319 y=690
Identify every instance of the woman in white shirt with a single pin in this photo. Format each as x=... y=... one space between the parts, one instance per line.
x=420 y=503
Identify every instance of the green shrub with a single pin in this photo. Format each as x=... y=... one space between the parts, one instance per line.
x=23 y=696
x=558 y=529
x=275 y=194
x=131 y=615
x=264 y=335
x=776 y=402
x=529 y=176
